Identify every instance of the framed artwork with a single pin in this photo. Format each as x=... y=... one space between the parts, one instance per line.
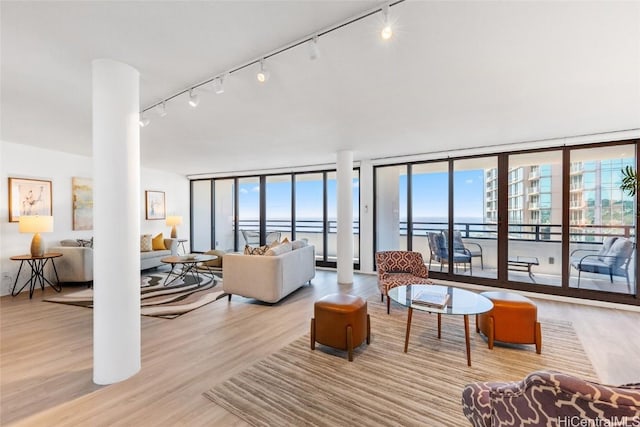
x=29 y=197
x=154 y=204
x=82 y=203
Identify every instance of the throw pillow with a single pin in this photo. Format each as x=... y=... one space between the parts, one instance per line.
x=157 y=244
x=145 y=243
x=280 y=249
x=297 y=244
x=259 y=250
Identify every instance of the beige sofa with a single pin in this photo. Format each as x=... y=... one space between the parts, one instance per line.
x=76 y=263
x=268 y=278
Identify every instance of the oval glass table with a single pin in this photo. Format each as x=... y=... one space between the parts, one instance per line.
x=459 y=302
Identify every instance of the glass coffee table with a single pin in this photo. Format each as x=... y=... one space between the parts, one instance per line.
x=189 y=265
x=460 y=302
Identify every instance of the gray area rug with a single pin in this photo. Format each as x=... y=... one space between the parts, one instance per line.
x=383 y=386
x=157 y=300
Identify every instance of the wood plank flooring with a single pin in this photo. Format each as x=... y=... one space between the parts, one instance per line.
x=46 y=355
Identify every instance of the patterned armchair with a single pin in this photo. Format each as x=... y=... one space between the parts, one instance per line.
x=547 y=398
x=398 y=268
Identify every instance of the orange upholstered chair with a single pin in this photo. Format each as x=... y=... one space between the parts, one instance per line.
x=399 y=268
x=513 y=319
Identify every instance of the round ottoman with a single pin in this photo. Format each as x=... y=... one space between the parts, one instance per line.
x=340 y=321
x=513 y=319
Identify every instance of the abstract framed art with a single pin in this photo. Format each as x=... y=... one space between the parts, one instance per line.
x=29 y=197
x=154 y=205
x=82 y=203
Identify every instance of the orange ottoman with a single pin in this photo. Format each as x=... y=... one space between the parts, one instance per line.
x=340 y=321
x=513 y=319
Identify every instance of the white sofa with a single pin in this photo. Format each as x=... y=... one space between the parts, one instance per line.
x=268 y=278
x=76 y=263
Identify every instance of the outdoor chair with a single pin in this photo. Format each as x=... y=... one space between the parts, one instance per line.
x=399 y=268
x=251 y=237
x=440 y=253
x=612 y=259
x=472 y=248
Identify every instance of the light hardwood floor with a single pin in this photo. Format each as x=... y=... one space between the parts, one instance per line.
x=46 y=355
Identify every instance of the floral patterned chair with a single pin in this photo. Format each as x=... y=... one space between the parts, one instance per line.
x=398 y=268
x=547 y=398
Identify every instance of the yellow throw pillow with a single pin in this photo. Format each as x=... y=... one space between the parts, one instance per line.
x=157 y=244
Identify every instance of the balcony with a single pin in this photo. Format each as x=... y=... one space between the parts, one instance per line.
x=542 y=241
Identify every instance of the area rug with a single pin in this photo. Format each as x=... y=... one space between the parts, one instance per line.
x=383 y=386
x=157 y=300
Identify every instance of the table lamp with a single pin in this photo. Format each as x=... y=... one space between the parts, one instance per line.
x=36 y=224
x=174 y=221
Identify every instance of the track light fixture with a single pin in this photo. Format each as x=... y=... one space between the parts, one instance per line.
x=162 y=109
x=143 y=121
x=263 y=74
x=194 y=99
x=314 y=52
x=218 y=85
x=387 y=31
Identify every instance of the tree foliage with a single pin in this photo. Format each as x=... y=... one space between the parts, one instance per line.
x=629 y=181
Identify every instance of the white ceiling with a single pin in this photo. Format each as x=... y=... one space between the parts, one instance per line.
x=455 y=75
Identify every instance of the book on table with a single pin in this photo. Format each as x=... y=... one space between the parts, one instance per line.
x=431 y=299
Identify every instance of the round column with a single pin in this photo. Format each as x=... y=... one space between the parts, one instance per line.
x=345 y=217
x=116 y=222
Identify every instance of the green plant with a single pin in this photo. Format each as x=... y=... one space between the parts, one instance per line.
x=629 y=181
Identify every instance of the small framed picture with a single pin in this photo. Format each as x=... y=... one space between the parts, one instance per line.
x=29 y=197
x=154 y=204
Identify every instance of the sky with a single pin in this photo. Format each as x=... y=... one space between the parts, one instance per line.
x=429 y=197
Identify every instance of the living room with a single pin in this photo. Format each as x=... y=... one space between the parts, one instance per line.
x=455 y=80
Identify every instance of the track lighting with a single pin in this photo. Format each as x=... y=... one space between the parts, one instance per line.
x=387 y=31
x=194 y=99
x=143 y=121
x=263 y=74
x=218 y=85
x=162 y=109
x=314 y=52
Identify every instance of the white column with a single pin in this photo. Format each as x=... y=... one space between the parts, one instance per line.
x=345 y=217
x=116 y=222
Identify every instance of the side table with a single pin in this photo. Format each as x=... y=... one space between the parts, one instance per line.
x=37 y=265
x=181 y=243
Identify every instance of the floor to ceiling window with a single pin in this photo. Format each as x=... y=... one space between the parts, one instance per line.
x=278 y=201
x=391 y=207
x=535 y=218
x=429 y=210
x=602 y=220
x=545 y=220
x=224 y=219
x=255 y=209
x=248 y=213
x=475 y=230
x=309 y=208
x=201 y=224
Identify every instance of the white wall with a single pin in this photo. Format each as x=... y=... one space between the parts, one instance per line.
x=22 y=161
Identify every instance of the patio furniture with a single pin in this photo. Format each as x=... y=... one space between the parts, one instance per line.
x=475 y=250
x=612 y=259
x=548 y=398
x=399 y=268
x=513 y=319
x=252 y=237
x=439 y=252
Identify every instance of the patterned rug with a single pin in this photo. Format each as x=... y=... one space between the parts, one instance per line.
x=157 y=300
x=383 y=386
